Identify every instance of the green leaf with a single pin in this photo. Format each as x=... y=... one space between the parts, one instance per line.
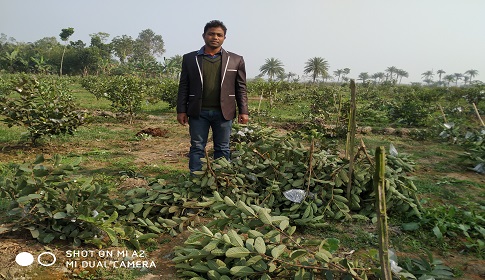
x=147 y=236
x=48 y=238
x=237 y=252
x=321 y=256
x=60 y=215
x=264 y=216
x=39 y=159
x=241 y=271
x=236 y=240
x=137 y=207
x=410 y=226
x=259 y=245
x=278 y=250
x=284 y=224
x=113 y=217
x=254 y=260
x=229 y=201
x=34 y=233
x=437 y=232
x=297 y=253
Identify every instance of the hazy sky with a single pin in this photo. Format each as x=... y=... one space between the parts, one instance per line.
x=363 y=35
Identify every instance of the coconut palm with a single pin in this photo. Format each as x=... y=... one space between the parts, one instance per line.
x=316 y=66
x=338 y=73
x=378 y=75
x=471 y=74
x=282 y=76
x=272 y=67
x=449 y=79
x=364 y=76
x=290 y=75
x=428 y=76
x=458 y=77
x=440 y=72
x=391 y=70
x=401 y=74
x=346 y=72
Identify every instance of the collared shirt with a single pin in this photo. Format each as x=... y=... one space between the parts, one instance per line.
x=201 y=52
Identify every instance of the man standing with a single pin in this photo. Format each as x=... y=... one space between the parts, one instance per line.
x=212 y=83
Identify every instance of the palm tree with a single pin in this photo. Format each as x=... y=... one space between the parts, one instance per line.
x=272 y=67
x=440 y=72
x=458 y=77
x=402 y=74
x=338 y=73
x=428 y=76
x=378 y=75
x=316 y=66
x=449 y=79
x=471 y=74
x=364 y=76
x=391 y=70
x=290 y=75
x=346 y=72
x=282 y=76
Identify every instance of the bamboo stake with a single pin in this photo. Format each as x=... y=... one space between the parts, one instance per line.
x=260 y=99
x=379 y=189
x=442 y=113
x=478 y=114
x=349 y=152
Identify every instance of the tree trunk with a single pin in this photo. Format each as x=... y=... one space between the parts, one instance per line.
x=62 y=60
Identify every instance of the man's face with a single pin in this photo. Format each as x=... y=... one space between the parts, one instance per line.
x=214 y=37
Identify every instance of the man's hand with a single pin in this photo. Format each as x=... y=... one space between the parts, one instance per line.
x=243 y=119
x=182 y=118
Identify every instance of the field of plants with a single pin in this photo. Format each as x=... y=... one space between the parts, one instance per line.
x=98 y=166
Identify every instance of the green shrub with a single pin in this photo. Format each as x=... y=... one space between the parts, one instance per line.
x=45 y=106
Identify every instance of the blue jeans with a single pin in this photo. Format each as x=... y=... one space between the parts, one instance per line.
x=199 y=132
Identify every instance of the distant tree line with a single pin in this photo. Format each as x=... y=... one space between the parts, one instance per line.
x=122 y=54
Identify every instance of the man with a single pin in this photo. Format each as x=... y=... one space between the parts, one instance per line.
x=212 y=83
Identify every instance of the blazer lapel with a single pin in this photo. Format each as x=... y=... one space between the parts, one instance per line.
x=198 y=62
x=225 y=63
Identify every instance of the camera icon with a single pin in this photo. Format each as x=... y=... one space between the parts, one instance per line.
x=26 y=259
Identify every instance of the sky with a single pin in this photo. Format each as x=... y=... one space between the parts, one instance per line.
x=363 y=35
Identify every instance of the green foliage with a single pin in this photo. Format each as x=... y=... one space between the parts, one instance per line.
x=453 y=222
x=265 y=166
x=127 y=93
x=260 y=246
x=45 y=106
x=426 y=269
x=164 y=90
x=52 y=204
x=413 y=106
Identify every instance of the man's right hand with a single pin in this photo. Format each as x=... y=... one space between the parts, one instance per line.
x=182 y=118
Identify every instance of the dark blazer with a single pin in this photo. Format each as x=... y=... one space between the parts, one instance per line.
x=233 y=85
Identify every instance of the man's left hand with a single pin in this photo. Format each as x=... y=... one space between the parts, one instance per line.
x=243 y=118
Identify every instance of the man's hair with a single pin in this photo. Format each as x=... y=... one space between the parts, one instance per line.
x=215 y=23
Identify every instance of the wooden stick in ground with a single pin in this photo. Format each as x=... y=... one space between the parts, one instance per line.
x=442 y=113
x=349 y=151
x=379 y=188
x=478 y=114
